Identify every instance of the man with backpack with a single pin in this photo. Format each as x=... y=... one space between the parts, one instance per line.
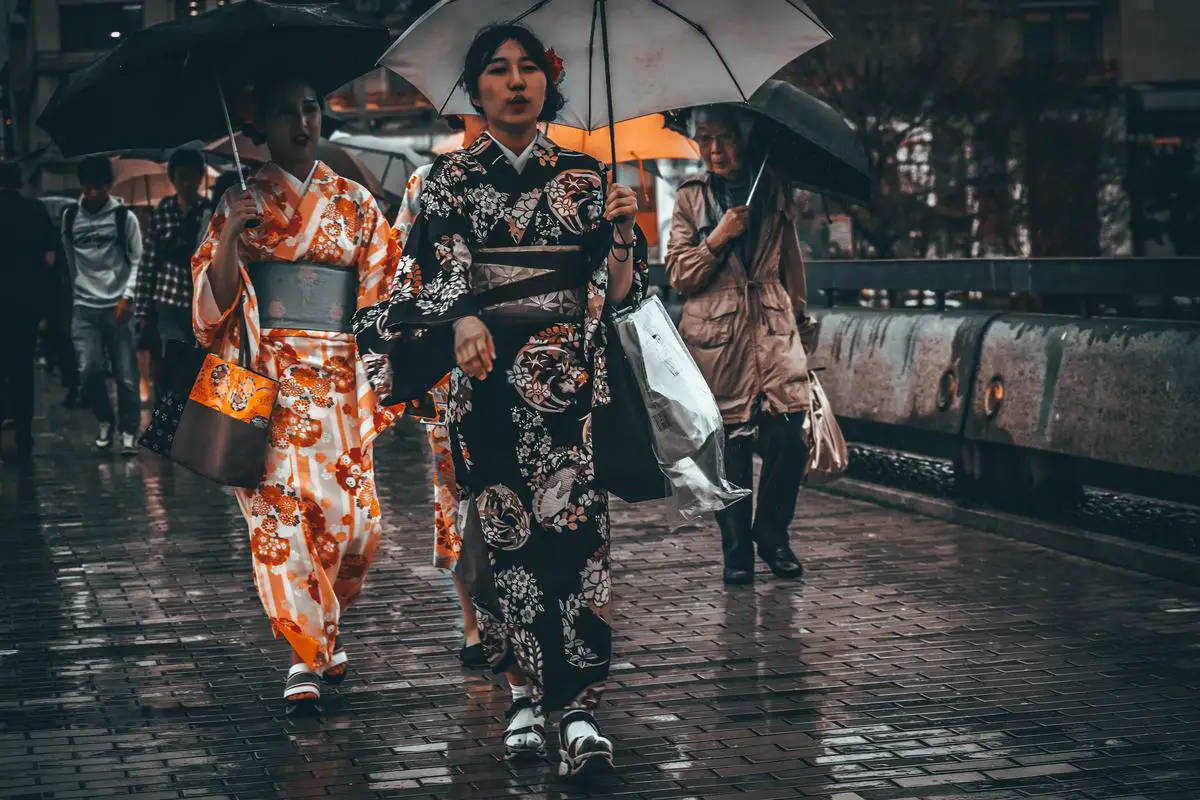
x=103 y=243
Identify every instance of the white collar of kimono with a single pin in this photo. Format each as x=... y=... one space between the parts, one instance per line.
x=518 y=161
x=300 y=186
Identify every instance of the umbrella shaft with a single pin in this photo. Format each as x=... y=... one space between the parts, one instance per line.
x=608 y=91
x=757 y=178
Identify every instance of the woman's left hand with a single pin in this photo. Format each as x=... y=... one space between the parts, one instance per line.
x=622 y=202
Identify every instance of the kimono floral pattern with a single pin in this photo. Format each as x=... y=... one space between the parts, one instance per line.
x=314 y=519
x=520 y=438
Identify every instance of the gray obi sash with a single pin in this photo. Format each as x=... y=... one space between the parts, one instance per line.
x=305 y=296
x=522 y=282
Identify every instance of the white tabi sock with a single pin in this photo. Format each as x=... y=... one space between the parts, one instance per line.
x=519 y=692
x=579 y=729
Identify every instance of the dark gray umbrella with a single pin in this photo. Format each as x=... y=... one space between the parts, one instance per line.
x=810 y=143
x=165 y=85
x=807 y=141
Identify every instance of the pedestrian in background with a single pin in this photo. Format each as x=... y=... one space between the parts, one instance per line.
x=103 y=245
x=27 y=271
x=745 y=321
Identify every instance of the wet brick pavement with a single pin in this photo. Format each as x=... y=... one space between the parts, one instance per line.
x=917 y=660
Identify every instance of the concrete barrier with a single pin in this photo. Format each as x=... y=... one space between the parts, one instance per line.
x=1118 y=391
x=899 y=367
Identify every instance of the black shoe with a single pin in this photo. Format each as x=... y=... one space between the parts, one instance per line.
x=738 y=577
x=783 y=562
x=473 y=656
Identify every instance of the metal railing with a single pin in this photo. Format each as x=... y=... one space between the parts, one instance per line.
x=1086 y=285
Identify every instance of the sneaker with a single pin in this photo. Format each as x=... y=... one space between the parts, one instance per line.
x=128 y=444
x=104 y=438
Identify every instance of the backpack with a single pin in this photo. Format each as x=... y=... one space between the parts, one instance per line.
x=120 y=215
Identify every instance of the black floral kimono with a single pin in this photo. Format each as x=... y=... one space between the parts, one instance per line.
x=521 y=438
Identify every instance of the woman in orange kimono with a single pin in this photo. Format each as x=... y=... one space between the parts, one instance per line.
x=320 y=249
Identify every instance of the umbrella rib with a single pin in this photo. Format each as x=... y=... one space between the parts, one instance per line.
x=700 y=30
x=811 y=17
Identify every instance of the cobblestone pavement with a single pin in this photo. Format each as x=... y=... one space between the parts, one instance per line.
x=917 y=659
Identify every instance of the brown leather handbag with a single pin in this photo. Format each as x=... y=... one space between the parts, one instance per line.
x=213 y=416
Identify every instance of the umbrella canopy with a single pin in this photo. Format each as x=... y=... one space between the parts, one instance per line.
x=140 y=182
x=159 y=87
x=811 y=143
x=392 y=158
x=627 y=57
x=337 y=158
x=642 y=139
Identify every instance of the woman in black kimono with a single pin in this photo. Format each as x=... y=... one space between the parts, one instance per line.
x=521 y=247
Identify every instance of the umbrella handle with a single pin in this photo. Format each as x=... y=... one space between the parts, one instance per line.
x=237 y=159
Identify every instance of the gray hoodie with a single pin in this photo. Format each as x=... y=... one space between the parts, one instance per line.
x=101 y=271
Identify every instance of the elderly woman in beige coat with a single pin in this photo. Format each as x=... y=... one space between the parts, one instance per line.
x=745 y=322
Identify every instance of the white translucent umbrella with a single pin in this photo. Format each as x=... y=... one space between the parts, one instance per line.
x=392 y=158
x=621 y=58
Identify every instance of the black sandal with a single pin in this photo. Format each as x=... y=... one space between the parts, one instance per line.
x=512 y=750
x=585 y=756
x=301 y=688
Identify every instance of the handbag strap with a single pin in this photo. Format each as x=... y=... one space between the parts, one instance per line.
x=243 y=340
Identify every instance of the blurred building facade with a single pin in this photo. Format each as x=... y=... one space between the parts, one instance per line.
x=1111 y=166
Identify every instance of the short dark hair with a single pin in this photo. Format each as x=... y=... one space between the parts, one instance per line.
x=95 y=171
x=185 y=158
x=10 y=175
x=483 y=50
x=455 y=122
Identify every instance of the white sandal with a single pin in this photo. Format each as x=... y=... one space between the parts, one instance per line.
x=339 y=659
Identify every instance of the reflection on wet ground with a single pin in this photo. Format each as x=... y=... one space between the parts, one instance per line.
x=917 y=659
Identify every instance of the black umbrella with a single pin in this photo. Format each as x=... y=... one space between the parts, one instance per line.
x=808 y=141
x=166 y=85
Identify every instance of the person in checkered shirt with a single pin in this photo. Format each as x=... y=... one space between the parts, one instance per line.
x=164 y=285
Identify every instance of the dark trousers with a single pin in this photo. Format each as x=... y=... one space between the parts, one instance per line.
x=96 y=334
x=19 y=334
x=59 y=349
x=780 y=443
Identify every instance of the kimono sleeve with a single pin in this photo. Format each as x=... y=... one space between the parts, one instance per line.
x=597 y=243
x=428 y=289
x=377 y=258
x=432 y=283
x=207 y=318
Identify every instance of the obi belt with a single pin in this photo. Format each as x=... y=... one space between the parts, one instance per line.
x=304 y=296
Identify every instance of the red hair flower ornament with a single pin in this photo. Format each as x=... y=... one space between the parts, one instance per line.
x=556 y=66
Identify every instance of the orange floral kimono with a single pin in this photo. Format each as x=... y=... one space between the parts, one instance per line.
x=447 y=538
x=314 y=520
